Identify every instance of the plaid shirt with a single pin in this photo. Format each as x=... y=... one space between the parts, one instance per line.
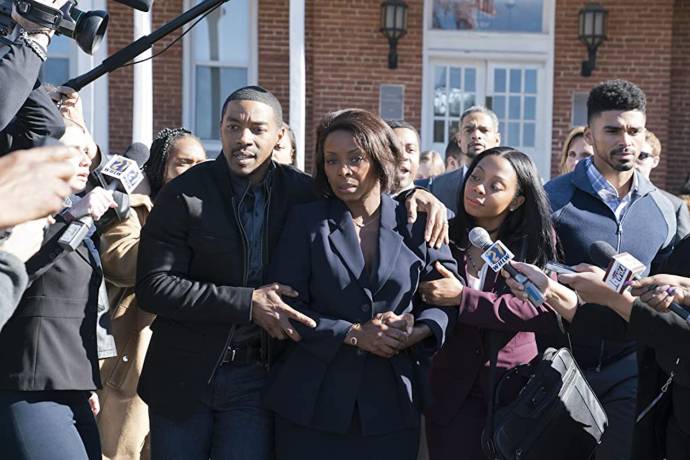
x=608 y=193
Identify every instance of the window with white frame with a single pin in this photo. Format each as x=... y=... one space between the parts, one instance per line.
x=513 y=96
x=57 y=68
x=221 y=56
x=455 y=90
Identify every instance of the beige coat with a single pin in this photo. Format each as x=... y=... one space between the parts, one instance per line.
x=123 y=421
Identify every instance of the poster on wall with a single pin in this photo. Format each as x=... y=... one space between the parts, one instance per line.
x=488 y=15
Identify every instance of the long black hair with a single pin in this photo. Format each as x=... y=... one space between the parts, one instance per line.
x=160 y=148
x=529 y=226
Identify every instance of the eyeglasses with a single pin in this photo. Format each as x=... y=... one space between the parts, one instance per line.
x=644 y=155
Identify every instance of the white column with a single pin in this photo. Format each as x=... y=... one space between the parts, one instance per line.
x=142 y=97
x=298 y=84
x=94 y=97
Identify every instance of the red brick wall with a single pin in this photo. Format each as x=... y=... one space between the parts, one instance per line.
x=638 y=49
x=676 y=152
x=274 y=50
x=167 y=74
x=119 y=81
x=167 y=71
x=347 y=60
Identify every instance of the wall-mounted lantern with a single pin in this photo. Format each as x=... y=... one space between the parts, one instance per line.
x=592 y=32
x=393 y=27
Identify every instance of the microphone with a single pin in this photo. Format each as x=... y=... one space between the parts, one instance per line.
x=497 y=256
x=624 y=267
x=121 y=174
x=141 y=5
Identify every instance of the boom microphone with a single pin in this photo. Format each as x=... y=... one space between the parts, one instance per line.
x=498 y=257
x=141 y=5
x=623 y=267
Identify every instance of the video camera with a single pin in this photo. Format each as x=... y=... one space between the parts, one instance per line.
x=87 y=28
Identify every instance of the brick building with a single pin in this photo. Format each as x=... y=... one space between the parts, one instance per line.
x=521 y=57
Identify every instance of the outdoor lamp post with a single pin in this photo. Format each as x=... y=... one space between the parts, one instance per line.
x=592 y=33
x=393 y=27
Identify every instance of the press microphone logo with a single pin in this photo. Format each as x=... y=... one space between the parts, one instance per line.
x=125 y=171
x=623 y=268
x=497 y=256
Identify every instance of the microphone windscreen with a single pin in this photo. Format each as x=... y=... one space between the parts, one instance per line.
x=141 y=5
x=480 y=238
x=601 y=253
x=138 y=152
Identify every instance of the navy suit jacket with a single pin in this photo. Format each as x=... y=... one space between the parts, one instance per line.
x=446 y=187
x=319 y=381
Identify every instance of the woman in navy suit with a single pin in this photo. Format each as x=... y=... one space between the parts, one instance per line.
x=352 y=387
x=503 y=194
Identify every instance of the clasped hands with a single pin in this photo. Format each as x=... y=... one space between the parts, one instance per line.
x=386 y=335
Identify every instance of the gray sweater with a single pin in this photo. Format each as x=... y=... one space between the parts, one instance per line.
x=13 y=280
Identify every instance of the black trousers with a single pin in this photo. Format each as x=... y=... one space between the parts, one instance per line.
x=48 y=425
x=677 y=441
x=294 y=442
x=616 y=387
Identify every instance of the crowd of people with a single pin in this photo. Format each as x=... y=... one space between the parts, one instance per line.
x=239 y=308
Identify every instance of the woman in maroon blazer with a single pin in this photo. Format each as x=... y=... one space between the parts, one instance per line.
x=502 y=194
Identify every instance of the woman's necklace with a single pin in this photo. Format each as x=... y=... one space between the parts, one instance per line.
x=470 y=259
x=371 y=219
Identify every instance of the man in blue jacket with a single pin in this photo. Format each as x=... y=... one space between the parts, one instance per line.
x=605 y=199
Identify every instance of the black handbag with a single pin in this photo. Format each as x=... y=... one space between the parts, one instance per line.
x=555 y=415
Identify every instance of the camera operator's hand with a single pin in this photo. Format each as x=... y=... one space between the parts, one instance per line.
x=34 y=183
x=33 y=28
x=25 y=239
x=94 y=204
x=69 y=103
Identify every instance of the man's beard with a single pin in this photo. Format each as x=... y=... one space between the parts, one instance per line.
x=623 y=167
x=617 y=165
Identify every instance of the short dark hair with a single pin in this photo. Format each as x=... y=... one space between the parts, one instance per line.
x=480 y=109
x=615 y=95
x=258 y=94
x=371 y=135
x=402 y=124
x=453 y=148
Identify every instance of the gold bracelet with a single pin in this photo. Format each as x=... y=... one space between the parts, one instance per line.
x=353 y=339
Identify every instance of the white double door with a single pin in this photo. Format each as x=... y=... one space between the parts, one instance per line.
x=515 y=91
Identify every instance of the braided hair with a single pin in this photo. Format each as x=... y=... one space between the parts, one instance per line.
x=160 y=147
